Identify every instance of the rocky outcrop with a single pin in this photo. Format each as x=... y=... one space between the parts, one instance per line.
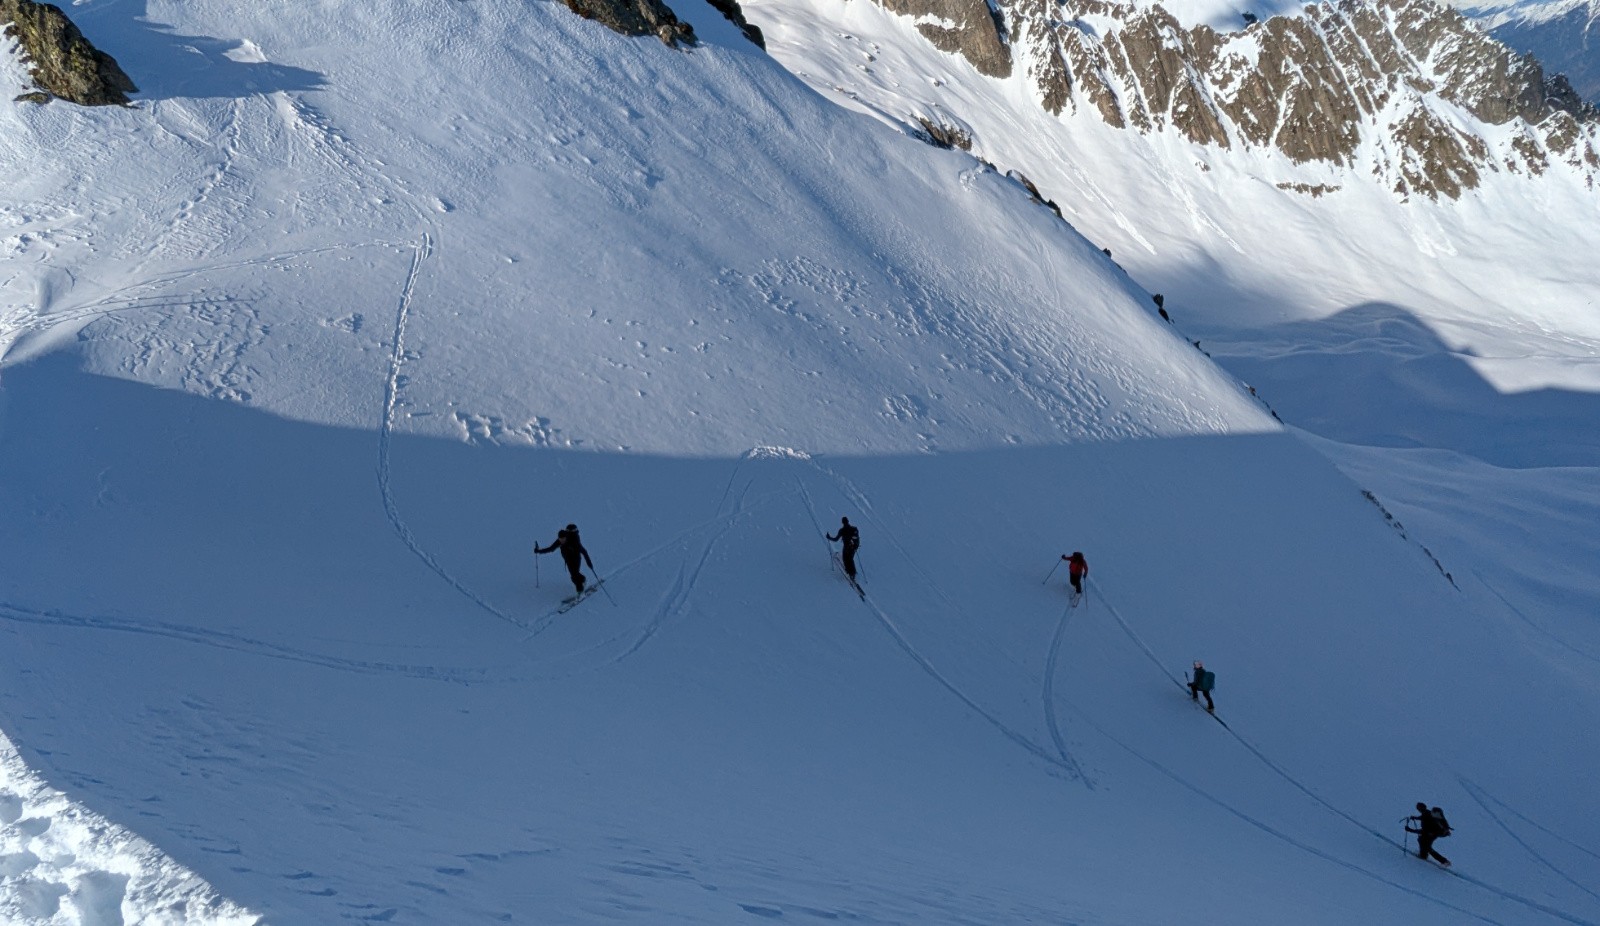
x=943 y=135
x=735 y=15
x=636 y=17
x=60 y=60
x=1405 y=88
x=970 y=28
x=1342 y=82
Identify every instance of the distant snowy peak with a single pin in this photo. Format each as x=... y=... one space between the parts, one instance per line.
x=1563 y=34
x=1494 y=13
x=1410 y=91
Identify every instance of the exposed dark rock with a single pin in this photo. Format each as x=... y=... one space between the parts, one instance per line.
x=36 y=96
x=946 y=136
x=635 y=17
x=735 y=15
x=1436 y=159
x=1311 y=85
x=970 y=28
x=1314 y=190
x=60 y=59
x=1033 y=192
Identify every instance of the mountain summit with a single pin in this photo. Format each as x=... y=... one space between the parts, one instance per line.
x=1409 y=90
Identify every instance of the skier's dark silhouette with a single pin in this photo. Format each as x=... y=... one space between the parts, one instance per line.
x=1077 y=568
x=852 y=542
x=572 y=553
x=1201 y=684
x=1430 y=825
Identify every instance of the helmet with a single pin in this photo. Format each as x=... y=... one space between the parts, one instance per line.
x=572 y=527
x=844 y=520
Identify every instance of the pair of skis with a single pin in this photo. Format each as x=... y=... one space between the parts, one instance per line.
x=847 y=576
x=572 y=601
x=1210 y=711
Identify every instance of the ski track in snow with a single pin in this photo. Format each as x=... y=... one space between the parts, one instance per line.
x=1541 y=631
x=395 y=381
x=217 y=639
x=1048 y=695
x=1538 y=826
x=542 y=623
x=1272 y=830
x=1061 y=763
x=1482 y=799
x=1294 y=782
x=678 y=595
x=860 y=500
x=182 y=230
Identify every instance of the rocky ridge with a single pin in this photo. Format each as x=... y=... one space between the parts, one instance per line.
x=1561 y=33
x=970 y=28
x=60 y=60
x=1409 y=89
x=636 y=17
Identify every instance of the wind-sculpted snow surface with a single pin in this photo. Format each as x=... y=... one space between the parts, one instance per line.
x=62 y=863
x=305 y=353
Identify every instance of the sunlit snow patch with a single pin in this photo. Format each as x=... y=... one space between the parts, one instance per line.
x=776 y=453
x=63 y=864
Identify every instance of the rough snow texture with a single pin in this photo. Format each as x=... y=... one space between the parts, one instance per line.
x=62 y=863
x=303 y=355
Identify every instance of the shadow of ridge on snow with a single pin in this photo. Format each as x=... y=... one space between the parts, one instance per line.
x=1378 y=375
x=153 y=504
x=166 y=64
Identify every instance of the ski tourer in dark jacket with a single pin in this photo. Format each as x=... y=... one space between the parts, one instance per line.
x=572 y=553
x=852 y=542
x=1203 y=682
x=1429 y=825
x=1077 y=569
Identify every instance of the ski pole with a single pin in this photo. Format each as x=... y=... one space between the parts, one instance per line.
x=860 y=568
x=601 y=585
x=536 y=565
x=1051 y=572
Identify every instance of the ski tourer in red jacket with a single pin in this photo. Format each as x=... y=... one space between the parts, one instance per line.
x=1077 y=569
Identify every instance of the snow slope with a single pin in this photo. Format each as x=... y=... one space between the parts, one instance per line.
x=305 y=352
x=1469 y=328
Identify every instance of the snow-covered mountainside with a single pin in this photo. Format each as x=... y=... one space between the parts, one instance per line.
x=1560 y=33
x=1406 y=90
x=1465 y=327
x=304 y=353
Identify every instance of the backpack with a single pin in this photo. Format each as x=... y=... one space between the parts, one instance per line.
x=1206 y=681
x=1444 y=825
